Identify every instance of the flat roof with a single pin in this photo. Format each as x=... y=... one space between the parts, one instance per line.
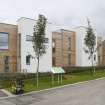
x=30 y=19
x=59 y=30
x=26 y=18
x=8 y=24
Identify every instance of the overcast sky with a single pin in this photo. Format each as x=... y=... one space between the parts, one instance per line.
x=65 y=13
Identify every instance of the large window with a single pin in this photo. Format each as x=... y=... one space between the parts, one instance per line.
x=3 y=40
x=30 y=38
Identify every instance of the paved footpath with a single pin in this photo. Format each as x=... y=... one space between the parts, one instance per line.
x=2 y=93
x=87 y=93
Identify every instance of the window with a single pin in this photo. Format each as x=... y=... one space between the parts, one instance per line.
x=53 y=45
x=69 y=43
x=6 y=59
x=6 y=63
x=28 y=60
x=46 y=40
x=29 y=38
x=99 y=60
x=54 y=61
x=3 y=40
x=19 y=44
x=69 y=59
x=94 y=57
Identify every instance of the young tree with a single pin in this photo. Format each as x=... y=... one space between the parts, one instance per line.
x=90 y=42
x=38 y=41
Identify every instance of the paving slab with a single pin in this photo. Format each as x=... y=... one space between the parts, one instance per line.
x=3 y=94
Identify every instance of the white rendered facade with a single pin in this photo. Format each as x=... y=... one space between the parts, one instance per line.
x=82 y=58
x=25 y=27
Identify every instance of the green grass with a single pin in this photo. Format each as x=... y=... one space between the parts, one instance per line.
x=45 y=81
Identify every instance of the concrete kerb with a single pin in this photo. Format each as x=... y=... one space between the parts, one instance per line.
x=14 y=96
x=6 y=92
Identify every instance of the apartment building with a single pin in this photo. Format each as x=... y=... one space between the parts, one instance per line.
x=101 y=51
x=16 y=48
x=8 y=48
x=27 y=61
x=82 y=58
x=63 y=48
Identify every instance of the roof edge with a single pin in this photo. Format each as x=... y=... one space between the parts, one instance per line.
x=8 y=24
x=26 y=18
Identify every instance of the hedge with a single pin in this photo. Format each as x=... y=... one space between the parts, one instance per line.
x=81 y=69
x=11 y=76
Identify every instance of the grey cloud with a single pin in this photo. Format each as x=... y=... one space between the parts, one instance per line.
x=66 y=13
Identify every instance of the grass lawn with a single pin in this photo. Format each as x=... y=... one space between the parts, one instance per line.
x=45 y=82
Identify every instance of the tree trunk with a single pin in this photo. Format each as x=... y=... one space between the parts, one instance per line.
x=37 y=74
x=93 y=64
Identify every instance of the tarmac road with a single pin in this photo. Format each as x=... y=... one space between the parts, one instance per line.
x=87 y=93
